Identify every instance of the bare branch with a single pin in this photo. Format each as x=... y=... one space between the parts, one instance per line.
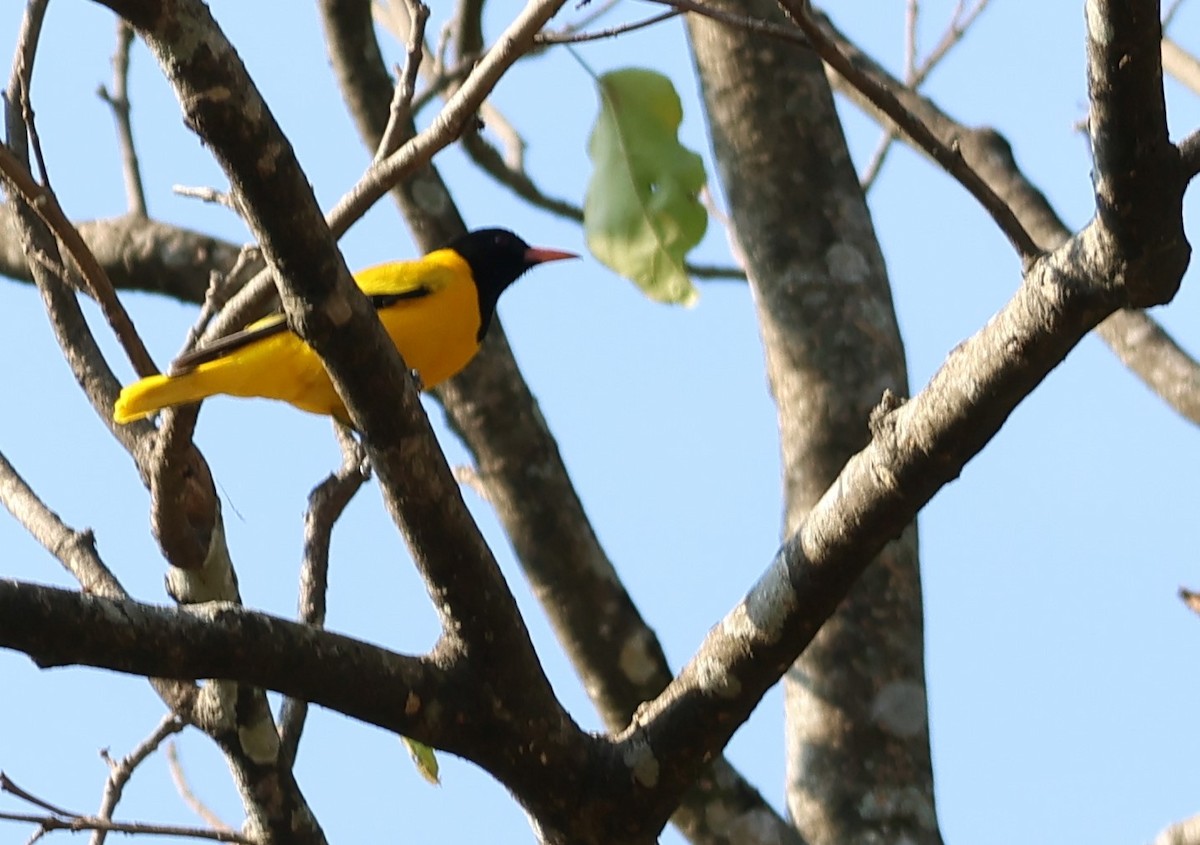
x=886 y=100
x=121 y=771
x=740 y=21
x=571 y=36
x=1161 y=363
x=1150 y=352
x=219 y=640
x=912 y=14
x=78 y=823
x=7 y=785
x=960 y=23
x=1137 y=170
x=326 y=503
x=118 y=100
x=915 y=75
x=76 y=550
x=1169 y=14
x=400 y=113
x=450 y=122
x=1189 y=153
x=179 y=778
x=45 y=205
x=206 y=194
x=878 y=157
x=137 y=254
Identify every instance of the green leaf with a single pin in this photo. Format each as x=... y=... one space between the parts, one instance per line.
x=424 y=759
x=642 y=213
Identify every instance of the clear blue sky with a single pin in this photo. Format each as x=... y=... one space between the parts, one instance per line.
x=1061 y=664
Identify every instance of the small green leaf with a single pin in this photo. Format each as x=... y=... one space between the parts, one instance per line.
x=424 y=759
x=642 y=213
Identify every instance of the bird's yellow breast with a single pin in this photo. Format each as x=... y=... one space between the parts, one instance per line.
x=437 y=333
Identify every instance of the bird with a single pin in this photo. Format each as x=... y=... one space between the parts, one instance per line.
x=436 y=309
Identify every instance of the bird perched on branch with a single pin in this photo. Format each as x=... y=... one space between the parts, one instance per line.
x=436 y=310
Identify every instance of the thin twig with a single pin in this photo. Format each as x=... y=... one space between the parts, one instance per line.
x=400 y=113
x=878 y=157
x=118 y=100
x=1169 y=14
x=326 y=504
x=96 y=282
x=441 y=79
x=205 y=194
x=8 y=785
x=79 y=823
x=597 y=11
x=121 y=771
x=886 y=101
x=41 y=198
x=185 y=791
x=1189 y=153
x=912 y=15
x=75 y=550
x=916 y=73
x=381 y=176
x=746 y=22
x=22 y=73
x=960 y=22
x=570 y=36
x=221 y=286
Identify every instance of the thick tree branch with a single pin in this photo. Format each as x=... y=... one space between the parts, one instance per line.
x=1137 y=173
x=917 y=447
x=137 y=254
x=217 y=640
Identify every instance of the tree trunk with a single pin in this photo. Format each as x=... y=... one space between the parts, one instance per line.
x=858 y=738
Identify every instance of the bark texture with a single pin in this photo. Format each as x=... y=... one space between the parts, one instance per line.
x=857 y=730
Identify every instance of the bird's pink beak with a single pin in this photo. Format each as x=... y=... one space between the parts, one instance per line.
x=540 y=255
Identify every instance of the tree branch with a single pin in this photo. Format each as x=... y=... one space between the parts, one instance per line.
x=947 y=156
x=1137 y=175
x=118 y=101
x=1135 y=337
x=326 y=503
x=119 y=772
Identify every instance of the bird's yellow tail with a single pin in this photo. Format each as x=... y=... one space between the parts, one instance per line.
x=152 y=394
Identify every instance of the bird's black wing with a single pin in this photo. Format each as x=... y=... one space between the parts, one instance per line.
x=222 y=346
x=268 y=327
x=383 y=300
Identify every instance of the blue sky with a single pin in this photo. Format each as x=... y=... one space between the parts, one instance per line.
x=1060 y=662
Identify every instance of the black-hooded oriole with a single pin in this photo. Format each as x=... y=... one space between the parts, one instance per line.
x=436 y=310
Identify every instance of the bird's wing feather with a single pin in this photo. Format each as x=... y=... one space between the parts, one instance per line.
x=222 y=346
x=273 y=325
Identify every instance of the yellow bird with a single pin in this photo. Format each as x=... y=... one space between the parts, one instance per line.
x=436 y=310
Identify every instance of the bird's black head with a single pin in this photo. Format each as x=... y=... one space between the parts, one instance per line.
x=497 y=258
